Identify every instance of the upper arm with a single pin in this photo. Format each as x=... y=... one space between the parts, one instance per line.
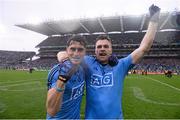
x=52 y=77
x=146 y=43
x=127 y=63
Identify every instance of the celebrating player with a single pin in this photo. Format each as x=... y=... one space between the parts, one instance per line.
x=106 y=73
x=66 y=83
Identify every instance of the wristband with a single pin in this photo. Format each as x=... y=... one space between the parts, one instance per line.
x=59 y=89
x=63 y=79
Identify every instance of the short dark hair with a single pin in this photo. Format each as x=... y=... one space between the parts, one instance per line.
x=78 y=38
x=103 y=37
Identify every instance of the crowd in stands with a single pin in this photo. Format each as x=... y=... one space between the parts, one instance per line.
x=11 y=58
x=38 y=64
x=166 y=37
x=159 y=65
x=44 y=63
x=123 y=44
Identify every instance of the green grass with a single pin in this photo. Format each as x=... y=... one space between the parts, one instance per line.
x=23 y=96
x=145 y=97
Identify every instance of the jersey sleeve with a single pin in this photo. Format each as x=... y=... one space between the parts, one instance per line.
x=127 y=63
x=89 y=59
x=54 y=73
x=52 y=77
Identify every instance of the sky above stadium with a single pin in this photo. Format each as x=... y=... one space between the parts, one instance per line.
x=33 y=11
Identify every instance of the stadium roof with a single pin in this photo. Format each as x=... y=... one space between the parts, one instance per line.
x=113 y=24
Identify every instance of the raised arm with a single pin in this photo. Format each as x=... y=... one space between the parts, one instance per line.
x=148 y=39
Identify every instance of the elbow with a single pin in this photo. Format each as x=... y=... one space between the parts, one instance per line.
x=145 y=50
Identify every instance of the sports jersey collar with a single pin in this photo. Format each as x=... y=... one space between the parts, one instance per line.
x=102 y=65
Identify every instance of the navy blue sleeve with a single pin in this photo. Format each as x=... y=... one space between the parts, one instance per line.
x=52 y=77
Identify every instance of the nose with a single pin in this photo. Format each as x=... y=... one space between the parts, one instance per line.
x=76 y=53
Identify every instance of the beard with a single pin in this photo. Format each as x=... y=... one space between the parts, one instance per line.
x=102 y=56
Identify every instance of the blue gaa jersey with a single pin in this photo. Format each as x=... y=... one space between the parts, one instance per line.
x=72 y=96
x=104 y=87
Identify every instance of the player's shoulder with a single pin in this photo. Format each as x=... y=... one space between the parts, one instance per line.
x=89 y=58
x=126 y=58
x=57 y=67
x=53 y=69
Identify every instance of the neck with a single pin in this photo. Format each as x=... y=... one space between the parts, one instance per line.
x=103 y=63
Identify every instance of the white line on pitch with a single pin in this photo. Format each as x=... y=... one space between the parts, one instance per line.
x=13 y=81
x=2 y=107
x=164 y=83
x=138 y=93
x=20 y=84
x=33 y=89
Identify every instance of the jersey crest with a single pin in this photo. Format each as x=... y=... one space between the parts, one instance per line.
x=75 y=92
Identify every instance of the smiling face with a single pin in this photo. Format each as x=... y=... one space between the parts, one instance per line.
x=103 y=50
x=76 y=52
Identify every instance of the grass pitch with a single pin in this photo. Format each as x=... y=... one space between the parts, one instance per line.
x=23 y=96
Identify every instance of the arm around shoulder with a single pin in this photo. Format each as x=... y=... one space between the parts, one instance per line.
x=61 y=56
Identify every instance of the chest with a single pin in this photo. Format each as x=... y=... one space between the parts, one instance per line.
x=74 y=87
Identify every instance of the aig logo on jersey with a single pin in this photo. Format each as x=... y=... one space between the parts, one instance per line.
x=102 y=81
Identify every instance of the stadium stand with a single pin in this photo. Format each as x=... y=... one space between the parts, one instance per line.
x=10 y=59
x=126 y=32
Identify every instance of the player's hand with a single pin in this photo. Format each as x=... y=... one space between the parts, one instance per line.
x=154 y=12
x=62 y=56
x=113 y=60
x=65 y=77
